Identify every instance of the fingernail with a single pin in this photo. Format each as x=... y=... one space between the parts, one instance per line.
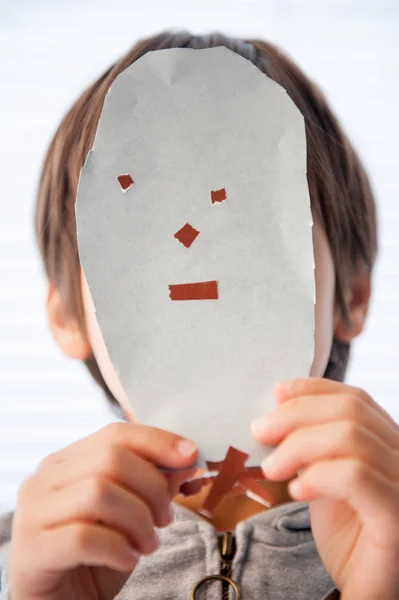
x=283 y=386
x=171 y=511
x=186 y=448
x=259 y=425
x=168 y=515
x=156 y=541
x=269 y=461
x=135 y=553
x=295 y=487
x=151 y=544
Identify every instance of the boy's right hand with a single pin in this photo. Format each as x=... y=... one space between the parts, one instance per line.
x=88 y=512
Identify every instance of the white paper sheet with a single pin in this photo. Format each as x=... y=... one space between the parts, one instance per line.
x=184 y=122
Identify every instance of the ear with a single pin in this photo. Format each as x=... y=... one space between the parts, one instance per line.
x=64 y=327
x=358 y=299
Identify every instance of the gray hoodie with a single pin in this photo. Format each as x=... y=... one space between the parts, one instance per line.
x=276 y=558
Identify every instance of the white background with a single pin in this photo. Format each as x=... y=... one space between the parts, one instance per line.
x=49 y=51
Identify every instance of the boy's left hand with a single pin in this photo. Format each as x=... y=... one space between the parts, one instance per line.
x=347 y=448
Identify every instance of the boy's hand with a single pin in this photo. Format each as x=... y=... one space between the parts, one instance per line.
x=347 y=448
x=88 y=512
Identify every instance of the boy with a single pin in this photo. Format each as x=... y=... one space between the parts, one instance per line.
x=86 y=517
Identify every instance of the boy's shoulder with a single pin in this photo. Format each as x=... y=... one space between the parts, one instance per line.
x=5 y=532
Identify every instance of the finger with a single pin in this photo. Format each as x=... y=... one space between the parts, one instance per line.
x=374 y=497
x=304 y=411
x=163 y=448
x=84 y=544
x=123 y=467
x=286 y=390
x=95 y=500
x=330 y=440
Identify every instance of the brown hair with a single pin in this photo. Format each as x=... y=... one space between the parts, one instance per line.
x=341 y=197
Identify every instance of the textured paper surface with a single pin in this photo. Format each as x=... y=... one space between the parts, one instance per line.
x=184 y=123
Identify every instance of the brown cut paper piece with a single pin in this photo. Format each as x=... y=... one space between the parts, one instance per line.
x=189 y=488
x=125 y=181
x=203 y=290
x=186 y=235
x=213 y=465
x=256 y=472
x=194 y=486
x=232 y=466
x=254 y=489
x=218 y=196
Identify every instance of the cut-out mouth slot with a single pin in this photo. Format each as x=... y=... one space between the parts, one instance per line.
x=201 y=290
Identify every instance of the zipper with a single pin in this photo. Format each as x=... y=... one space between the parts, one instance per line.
x=227 y=550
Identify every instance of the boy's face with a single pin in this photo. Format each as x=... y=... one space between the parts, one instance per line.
x=326 y=321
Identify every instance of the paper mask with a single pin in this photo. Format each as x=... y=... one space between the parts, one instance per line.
x=195 y=236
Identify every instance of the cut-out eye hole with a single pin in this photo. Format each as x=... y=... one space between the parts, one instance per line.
x=125 y=181
x=218 y=196
x=186 y=235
